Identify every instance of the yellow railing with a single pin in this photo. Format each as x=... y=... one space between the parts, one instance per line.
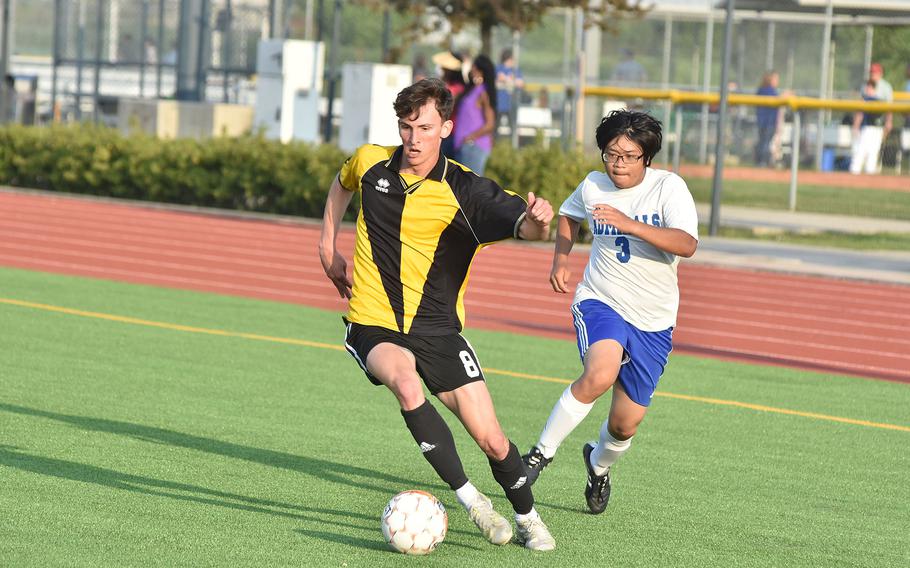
x=796 y=103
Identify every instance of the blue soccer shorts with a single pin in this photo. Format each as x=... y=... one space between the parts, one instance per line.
x=645 y=353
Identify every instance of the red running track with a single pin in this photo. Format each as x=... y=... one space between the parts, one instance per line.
x=763 y=317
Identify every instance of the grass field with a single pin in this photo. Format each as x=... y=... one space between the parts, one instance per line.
x=869 y=202
x=247 y=437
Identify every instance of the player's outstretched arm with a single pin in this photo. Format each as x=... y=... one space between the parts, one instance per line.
x=335 y=266
x=566 y=233
x=536 y=224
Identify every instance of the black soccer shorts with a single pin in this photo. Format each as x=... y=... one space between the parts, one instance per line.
x=444 y=362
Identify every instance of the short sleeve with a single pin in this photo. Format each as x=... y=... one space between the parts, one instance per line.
x=355 y=166
x=493 y=213
x=574 y=205
x=679 y=208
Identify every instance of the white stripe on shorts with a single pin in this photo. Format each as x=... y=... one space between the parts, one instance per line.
x=352 y=351
x=581 y=328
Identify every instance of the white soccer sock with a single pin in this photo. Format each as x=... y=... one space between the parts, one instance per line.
x=608 y=450
x=466 y=494
x=532 y=514
x=567 y=413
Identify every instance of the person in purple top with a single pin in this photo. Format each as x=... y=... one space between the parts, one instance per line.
x=475 y=116
x=767 y=118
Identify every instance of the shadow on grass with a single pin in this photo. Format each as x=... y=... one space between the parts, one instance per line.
x=74 y=471
x=85 y=473
x=373 y=544
x=323 y=469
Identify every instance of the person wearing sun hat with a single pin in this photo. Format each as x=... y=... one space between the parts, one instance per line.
x=450 y=71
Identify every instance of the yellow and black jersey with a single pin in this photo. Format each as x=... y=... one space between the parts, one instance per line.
x=417 y=237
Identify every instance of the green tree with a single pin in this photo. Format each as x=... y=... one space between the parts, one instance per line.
x=518 y=15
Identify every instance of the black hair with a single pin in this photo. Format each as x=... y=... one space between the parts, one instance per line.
x=488 y=69
x=410 y=100
x=640 y=127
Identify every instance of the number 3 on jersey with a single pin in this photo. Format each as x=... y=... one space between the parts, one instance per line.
x=470 y=367
x=624 y=254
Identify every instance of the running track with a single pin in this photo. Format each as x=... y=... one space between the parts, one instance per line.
x=762 y=317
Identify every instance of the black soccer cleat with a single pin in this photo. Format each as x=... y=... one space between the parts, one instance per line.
x=534 y=464
x=597 y=492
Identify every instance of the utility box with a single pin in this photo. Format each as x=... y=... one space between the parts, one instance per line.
x=288 y=86
x=177 y=119
x=367 y=95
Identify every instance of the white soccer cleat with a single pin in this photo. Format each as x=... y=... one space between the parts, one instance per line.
x=494 y=526
x=535 y=535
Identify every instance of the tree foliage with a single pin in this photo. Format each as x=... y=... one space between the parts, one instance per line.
x=517 y=15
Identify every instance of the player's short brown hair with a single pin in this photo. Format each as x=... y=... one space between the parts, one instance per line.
x=412 y=98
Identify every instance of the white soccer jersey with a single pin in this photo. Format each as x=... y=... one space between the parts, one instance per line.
x=633 y=277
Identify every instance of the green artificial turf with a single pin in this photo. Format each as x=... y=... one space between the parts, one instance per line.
x=863 y=202
x=129 y=444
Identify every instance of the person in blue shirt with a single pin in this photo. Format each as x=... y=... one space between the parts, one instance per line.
x=766 y=119
x=508 y=78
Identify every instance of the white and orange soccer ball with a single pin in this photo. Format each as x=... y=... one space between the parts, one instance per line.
x=414 y=522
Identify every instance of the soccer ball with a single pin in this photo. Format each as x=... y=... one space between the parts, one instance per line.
x=414 y=522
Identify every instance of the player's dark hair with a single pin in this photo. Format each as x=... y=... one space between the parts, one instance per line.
x=640 y=127
x=411 y=99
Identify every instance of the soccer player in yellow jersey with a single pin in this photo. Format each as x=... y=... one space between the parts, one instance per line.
x=422 y=220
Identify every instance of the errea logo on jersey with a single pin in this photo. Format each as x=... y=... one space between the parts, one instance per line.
x=382 y=185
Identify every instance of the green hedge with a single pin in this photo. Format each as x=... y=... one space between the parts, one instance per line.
x=248 y=173
x=550 y=173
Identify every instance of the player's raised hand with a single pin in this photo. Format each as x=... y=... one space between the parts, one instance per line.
x=539 y=210
x=337 y=271
x=609 y=215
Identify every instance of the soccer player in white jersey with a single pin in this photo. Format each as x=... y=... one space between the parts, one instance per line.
x=642 y=221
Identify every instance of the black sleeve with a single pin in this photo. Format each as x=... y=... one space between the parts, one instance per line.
x=493 y=213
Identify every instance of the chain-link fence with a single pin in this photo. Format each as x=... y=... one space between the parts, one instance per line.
x=99 y=50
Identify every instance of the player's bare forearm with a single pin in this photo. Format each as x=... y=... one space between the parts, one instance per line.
x=336 y=204
x=333 y=263
x=673 y=241
x=566 y=233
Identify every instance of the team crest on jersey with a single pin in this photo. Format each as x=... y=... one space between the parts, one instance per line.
x=382 y=185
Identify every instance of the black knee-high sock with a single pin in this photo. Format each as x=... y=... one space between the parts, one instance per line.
x=510 y=473
x=436 y=443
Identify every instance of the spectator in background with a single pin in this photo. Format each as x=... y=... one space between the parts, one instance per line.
x=907 y=88
x=869 y=129
x=449 y=67
x=508 y=78
x=766 y=118
x=127 y=50
x=151 y=52
x=419 y=68
x=629 y=70
x=867 y=143
x=475 y=116
x=170 y=57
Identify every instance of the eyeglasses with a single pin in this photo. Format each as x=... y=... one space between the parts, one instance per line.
x=611 y=158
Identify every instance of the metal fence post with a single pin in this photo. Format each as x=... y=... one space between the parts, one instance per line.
x=794 y=158
x=677 y=148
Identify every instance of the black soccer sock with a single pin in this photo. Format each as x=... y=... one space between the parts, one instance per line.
x=436 y=443
x=510 y=473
